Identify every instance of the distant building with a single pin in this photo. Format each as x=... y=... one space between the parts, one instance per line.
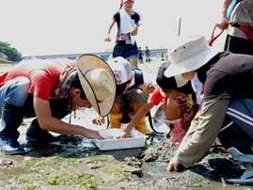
x=104 y=55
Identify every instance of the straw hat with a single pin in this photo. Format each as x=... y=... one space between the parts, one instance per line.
x=122 y=69
x=189 y=56
x=98 y=82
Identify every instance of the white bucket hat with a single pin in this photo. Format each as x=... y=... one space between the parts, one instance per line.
x=189 y=56
x=122 y=69
x=98 y=82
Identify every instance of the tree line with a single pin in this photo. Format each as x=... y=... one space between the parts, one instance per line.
x=12 y=53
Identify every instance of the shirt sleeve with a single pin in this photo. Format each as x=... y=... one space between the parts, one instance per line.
x=137 y=18
x=156 y=97
x=203 y=131
x=42 y=84
x=116 y=17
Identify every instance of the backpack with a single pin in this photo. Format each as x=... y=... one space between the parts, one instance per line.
x=247 y=30
x=138 y=77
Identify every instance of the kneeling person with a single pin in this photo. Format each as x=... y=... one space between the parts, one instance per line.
x=132 y=92
x=48 y=91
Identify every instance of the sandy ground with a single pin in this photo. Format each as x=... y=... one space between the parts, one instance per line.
x=75 y=163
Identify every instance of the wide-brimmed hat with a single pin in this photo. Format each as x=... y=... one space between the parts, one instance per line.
x=189 y=55
x=98 y=82
x=122 y=69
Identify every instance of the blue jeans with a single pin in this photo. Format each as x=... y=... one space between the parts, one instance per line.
x=238 y=131
x=15 y=92
x=17 y=103
x=240 y=112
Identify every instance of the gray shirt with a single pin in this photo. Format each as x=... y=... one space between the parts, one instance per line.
x=243 y=13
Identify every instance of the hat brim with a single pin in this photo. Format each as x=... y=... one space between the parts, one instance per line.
x=191 y=64
x=85 y=63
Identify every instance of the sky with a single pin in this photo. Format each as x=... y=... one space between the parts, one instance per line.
x=41 y=27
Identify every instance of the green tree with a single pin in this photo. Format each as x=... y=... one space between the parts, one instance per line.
x=12 y=53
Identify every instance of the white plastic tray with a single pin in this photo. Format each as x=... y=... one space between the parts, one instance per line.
x=110 y=142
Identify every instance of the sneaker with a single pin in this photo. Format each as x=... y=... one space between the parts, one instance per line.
x=10 y=146
x=35 y=134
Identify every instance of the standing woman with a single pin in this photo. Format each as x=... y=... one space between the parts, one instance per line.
x=237 y=18
x=127 y=22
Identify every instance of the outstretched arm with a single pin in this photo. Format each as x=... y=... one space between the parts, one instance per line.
x=50 y=123
x=201 y=134
x=144 y=109
x=108 y=39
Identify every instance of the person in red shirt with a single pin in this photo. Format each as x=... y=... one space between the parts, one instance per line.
x=48 y=91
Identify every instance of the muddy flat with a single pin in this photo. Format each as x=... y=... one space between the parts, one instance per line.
x=74 y=162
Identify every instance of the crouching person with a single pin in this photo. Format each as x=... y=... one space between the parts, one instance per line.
x=179 y=105
x=48 y=91
x=227 y=96
x=133 y=87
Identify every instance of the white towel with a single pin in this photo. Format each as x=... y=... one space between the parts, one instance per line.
x=127 y=25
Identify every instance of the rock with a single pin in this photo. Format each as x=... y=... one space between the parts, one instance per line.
x=133 y=161
x=138 y=173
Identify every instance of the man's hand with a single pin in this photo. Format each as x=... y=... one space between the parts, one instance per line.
x=173 y=165
x=93 y=134
x=99 y=121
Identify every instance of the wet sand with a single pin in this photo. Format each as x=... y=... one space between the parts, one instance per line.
x=75 y=163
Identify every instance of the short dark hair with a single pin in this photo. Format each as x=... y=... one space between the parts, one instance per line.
x=170 y=83
x=163 y=81
x=77 y=84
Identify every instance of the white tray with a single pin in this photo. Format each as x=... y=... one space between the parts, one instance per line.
x=111 y=143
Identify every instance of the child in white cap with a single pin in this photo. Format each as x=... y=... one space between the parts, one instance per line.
x=131 y=93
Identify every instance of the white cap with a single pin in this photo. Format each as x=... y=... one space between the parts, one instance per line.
x=121 y=69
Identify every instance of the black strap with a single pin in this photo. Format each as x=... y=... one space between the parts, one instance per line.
x=138 y=77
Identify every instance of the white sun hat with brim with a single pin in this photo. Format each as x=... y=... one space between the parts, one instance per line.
x=122 y=69
x=98 y=82
x=189 y=55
